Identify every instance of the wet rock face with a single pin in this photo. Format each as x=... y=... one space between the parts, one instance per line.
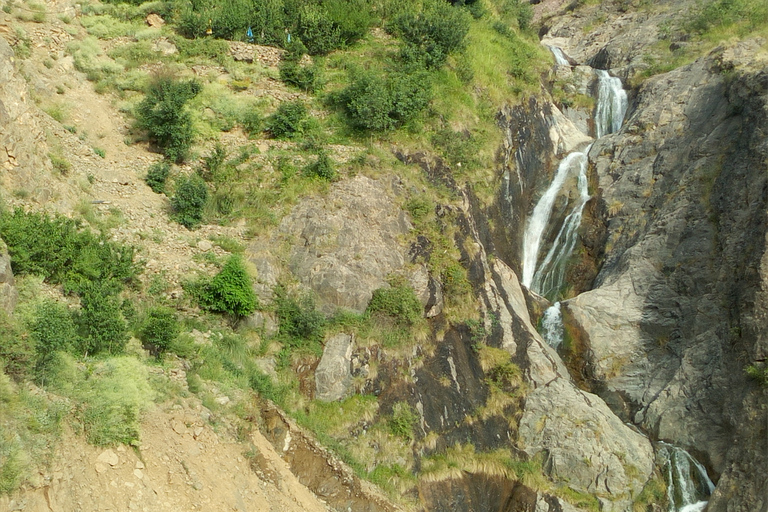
x=679 y=306
x=344 y=245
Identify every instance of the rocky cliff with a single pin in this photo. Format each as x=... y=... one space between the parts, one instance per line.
x=474 y=411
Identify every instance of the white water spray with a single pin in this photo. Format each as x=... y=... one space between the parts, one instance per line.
x=611 y=104
x=550 y=274
x=552 y=326
x=539 y=219
x=560 y=58
x=688 y=485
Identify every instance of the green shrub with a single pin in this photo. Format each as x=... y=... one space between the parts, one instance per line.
x=299 y=321
x=377 y=103
x=100 y=321
x=230 y=291
x=17 y=353
x=164 y=116
x=252 y=120
x=306 y=78
x=214 y=162
x=189 y=201
x=758 y=372
x=321 y=168
x=157 y=174
x=159 y=330
x=53 y=330
x=403 y=421
x=398 y=301
x=432 y=34
x=316 y=30
x=458 y=148
x=63 y=252
x=289 y=121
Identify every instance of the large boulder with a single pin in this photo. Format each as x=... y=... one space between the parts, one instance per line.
x=346 y=244
x=333 y=376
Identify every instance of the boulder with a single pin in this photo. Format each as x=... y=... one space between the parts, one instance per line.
x=345 y=245
x=333 y=376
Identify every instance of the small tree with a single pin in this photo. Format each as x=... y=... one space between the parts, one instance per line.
x=230 y=291
x=101 y=323
x=289 y=120
x=189 y=200
x=163 y=114
x=160 y=329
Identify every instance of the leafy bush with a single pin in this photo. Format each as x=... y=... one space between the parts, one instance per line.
x=432 y=34
x=160 y=329
x=230 y=291
x=53 y=330
x=100 y=321
x=398 y=301
x=289 y=121
x=316 y=30
x=459 y=148
x=321 y=168
x=61 y=251
x=306 y=78
x=758 y=373
x=251 y=120
x=156 y=176
x=163 y=115
x=189 y=201
x=378 y=103
x=299 y=321
x=17 y=352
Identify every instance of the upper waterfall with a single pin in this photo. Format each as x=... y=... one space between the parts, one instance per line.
x=560 y=58
x=549 y=276
x=611 y=104
x=539 y=219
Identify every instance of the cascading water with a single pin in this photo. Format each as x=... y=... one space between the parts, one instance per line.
x=611 y=104
x=560 y=58
x=552 y=326
x=549 y=276
x=539 y=219
x=688 y=485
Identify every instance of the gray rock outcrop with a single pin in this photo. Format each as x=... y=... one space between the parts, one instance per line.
x=345 y=245
x=23 y=147
x=333 y=376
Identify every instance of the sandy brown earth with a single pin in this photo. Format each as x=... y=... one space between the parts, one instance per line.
x=183 y=464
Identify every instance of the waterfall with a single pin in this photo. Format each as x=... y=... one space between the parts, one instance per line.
x=549 y=276
x=560 y=58
x=688 y=485
x=552 y=326
x=539 y=219
x=611 y=104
